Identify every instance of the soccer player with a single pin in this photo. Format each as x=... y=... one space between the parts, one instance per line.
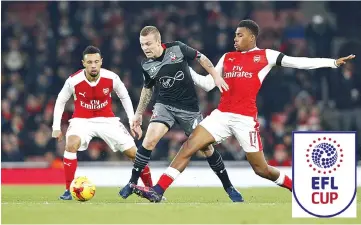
x=166 y=66
x=244 y=71
x=91 y=88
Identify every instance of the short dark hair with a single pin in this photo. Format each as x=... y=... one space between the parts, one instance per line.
x=251 y=25
x=91 y=50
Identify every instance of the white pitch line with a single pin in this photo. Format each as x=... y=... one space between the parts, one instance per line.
x=136 y=203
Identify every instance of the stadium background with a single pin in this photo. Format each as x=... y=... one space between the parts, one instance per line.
x=42 y=43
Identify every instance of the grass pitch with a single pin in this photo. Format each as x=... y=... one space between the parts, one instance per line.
x=39 y=204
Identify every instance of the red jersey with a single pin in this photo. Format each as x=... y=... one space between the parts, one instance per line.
x=244 y=73
x=92 y=99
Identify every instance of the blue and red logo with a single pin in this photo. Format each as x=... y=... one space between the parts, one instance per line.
x=324 y=174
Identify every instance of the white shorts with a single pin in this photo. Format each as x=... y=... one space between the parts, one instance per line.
x=111 y=130
x=222 y=125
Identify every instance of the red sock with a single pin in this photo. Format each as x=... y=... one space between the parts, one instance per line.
x=165 y=181
x=287 y=183
x=146 y=177
x=70 y=164
x=284 y=181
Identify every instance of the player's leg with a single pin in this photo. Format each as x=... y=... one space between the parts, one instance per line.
x=262 y=169
x=199 y=139
x=249 y=138
x=216 y=163
x=188 y=121
x=145 y=175
x=77 y=139
x=118 y=139
x=161 y=121
x=70 y=163
x=210 y=130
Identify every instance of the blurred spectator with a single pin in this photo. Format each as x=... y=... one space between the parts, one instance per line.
x=280 y=157
x=348 y=98
x=320 y=35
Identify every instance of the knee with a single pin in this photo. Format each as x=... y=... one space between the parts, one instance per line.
x=71 y=148
x=261 y=171
x=208 y=151
x=150 y=142
x=72 y=144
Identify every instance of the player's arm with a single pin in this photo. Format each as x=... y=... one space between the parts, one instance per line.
x=207 y=82
x=280 y=59
x=191 y=53
x=146 y=94
x=145 y=97
x=61 y=100
x=204 y=82
x=123 y=95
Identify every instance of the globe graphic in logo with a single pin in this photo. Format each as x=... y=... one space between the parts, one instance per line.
x=324 y=155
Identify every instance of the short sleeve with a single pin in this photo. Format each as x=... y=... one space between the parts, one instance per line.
x=189 y=52
x=148 y=81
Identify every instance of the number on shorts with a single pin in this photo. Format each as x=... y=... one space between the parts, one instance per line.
x=253 y=138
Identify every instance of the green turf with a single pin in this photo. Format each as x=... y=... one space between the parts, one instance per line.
x=35 y=204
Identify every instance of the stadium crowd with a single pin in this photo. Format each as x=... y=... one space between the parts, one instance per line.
x=42 y=44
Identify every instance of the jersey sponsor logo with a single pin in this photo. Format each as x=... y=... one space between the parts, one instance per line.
x=106 y=91
x=168 y=82
x=231 y=59
x=237 y=71
x=94 y=104
x=82 y=94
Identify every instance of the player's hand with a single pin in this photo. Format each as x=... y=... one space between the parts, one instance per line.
x=343 y=60
x=136 y=121
x=221 y=84
x=57 y=134
x=137 y=132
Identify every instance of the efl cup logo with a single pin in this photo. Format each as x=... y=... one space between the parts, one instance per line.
x=326 y=155
x=324 y=174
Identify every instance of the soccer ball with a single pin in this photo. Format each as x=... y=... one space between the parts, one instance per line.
x=82 y=189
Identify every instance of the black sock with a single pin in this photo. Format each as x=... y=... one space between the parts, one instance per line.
x=216 y=163
x=141 y=160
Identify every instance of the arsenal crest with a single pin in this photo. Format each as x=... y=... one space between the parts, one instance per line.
x=106 y=91
x=256 y=58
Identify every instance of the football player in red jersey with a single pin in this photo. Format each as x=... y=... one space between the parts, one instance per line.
x=91 y=88
x=244 y=71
